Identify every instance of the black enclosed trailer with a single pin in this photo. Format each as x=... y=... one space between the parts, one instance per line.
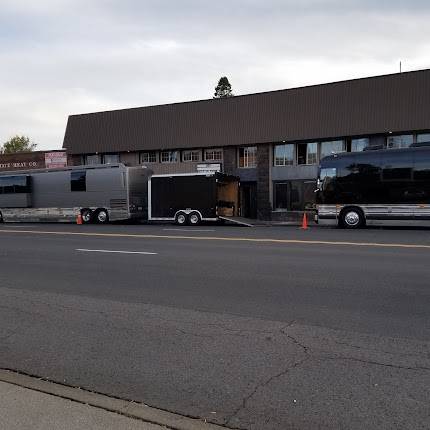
x=189 y=198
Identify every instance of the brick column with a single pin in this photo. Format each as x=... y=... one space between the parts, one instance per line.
x=264 y=208
x=229 y=160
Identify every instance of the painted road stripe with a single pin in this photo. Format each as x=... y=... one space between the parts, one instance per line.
x=185 y=229
x=116 y=252
x=226 y=239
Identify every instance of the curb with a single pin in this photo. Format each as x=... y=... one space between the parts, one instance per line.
x=127 y=408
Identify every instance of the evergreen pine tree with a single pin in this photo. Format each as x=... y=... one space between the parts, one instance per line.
x=223 y=89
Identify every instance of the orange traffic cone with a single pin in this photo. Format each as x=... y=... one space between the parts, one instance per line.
x=305 y=222
x=79 y=219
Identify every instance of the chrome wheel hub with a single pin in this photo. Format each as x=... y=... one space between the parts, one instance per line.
x=352 y=218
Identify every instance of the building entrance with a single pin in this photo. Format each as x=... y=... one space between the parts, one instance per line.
x=248 y=199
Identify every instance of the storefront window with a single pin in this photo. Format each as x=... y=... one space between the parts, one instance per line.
x=358 y=145
x=332 y=147
x=307 y=153
x=284 y=155
x=400 y=141
x=296 y=195
x=281 y=195
x=169 y=157
x=248 y=157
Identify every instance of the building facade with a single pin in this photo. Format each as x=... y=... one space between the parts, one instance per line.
x=272 y=141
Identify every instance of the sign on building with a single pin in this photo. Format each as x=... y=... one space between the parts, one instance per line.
x=55 y=160
x=33 y=160
x=209 y=168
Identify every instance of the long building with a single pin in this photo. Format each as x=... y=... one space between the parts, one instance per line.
x=273 y=140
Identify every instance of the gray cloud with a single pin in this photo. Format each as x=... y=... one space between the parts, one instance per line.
x=61 y=57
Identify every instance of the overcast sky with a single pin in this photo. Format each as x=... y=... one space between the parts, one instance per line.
x=62 y=57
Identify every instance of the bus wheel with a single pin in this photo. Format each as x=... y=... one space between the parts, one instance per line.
x=181 y=218
x=102 y=216
x=194 y=218
x=87 y=216
x=351 y=218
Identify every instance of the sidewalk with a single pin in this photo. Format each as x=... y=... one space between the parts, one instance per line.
x=25 y=409
x=30 y=403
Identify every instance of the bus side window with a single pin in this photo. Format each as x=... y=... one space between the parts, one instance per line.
x=78 y=181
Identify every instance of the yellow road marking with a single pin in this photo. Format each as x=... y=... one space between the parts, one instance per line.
x=215 y=238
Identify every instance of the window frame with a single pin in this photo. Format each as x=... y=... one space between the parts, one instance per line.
x=284 y=164
x=393 y=136
x=247 y=156
x=108 y=155
x=170 y=158
x=149 y=153
x=307 y=154
x=192 y=152
x=213 y=150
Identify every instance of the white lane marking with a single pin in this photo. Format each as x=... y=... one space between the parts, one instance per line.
x=116 y=252
x=185 y=229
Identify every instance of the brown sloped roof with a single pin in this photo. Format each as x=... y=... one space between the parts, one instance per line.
x=397 y=102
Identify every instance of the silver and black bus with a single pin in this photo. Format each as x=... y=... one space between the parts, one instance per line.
x=385 y=186
x=100 y=193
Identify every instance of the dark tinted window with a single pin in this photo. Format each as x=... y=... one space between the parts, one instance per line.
x=422 y=165
x=78 y=181
x=14 y=184
x=281 y=195
x=397 y=166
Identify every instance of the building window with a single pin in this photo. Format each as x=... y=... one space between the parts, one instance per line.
x=93 y=159
x=169 y=157
x=148 y=157
x=423 y=138
x=191 y=155
x=400 y=141
x=110 y=158
x=283 y=155
x=307 y=153
x=248 y=157
x=15 y=184
x=78 y=181
x=213 y=154
x=332 y=147
x=358 y=145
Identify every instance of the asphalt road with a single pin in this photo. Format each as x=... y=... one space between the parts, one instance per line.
x=259 y=328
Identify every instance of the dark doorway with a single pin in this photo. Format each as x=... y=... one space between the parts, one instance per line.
x=248 y=199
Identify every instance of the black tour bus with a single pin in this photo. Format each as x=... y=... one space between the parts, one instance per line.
x=384 y=186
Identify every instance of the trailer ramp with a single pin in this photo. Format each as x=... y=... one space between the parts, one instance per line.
x=247 y=222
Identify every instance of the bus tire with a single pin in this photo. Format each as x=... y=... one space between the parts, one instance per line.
x=352 y=218
x=87 y=216
x=102 y=216
x=194 y=218
x=181 y=218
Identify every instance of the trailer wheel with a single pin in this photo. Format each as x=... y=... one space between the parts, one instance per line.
x=87 y=216
x=181 y=218
x=102 y=216
x=194 y=218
